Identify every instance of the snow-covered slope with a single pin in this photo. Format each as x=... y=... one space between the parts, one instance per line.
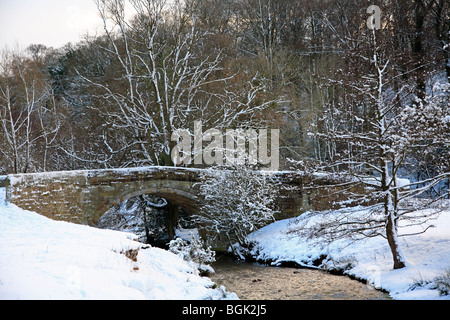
x=45 y=259
x=427 y=254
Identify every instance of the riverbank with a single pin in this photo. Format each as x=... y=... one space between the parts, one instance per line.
x=427 y=275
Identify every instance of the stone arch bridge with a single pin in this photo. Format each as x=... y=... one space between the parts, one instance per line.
x=83 y=196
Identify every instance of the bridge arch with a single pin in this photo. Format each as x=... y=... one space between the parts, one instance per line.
x=189 y=201
x=156 y=226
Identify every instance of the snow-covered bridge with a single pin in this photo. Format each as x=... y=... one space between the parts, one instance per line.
x=83 y=196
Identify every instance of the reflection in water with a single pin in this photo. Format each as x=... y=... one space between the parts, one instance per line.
x=253 y=281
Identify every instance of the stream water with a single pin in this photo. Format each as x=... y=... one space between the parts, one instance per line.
x=253 y=281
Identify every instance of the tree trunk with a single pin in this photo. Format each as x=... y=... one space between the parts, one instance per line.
x=391 y=234
x=143 y=207
x=171 y=219
x=390 y=212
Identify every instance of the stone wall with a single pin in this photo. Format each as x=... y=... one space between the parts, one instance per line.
x=57 y=195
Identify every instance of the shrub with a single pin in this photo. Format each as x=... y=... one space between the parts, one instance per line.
x=195 y=253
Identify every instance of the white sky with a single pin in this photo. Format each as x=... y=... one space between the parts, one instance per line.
x=49 y=22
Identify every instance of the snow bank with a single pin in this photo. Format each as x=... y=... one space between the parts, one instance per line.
x=45 y=259
x=428 y=256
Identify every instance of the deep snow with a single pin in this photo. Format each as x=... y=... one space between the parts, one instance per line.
x=46 y=259
x=427 y=254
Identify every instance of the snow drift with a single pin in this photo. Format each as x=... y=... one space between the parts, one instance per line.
x=45 y=259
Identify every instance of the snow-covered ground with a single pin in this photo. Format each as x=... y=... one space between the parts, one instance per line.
x=45 y=259
x=427 y=254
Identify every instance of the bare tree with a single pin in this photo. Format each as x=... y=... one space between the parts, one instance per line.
x=29 y=115
x=237 y=201
x=374 y=138
x=165 y=78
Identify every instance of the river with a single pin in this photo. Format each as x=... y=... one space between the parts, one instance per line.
x=254 y=281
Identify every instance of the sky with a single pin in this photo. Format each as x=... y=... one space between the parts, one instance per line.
x=52 y=23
